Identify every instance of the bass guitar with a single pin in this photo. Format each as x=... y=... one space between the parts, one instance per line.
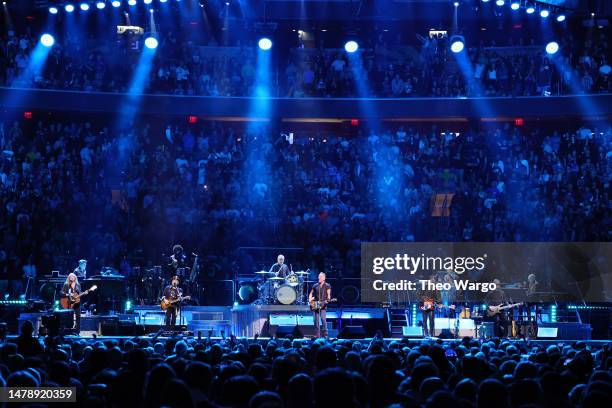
x=69 y=301
x=494 y=310
x=166 y=303
x=318 y=305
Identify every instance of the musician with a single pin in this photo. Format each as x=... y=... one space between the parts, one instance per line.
x=321 y=292
x=448 y=296
x=72 y=286
x=280 y=268
x=81 y=270
x=178 y=259
x=530 y=302
x=500 y=320
x=429 y=298
x=172 y=292
x=532 y=284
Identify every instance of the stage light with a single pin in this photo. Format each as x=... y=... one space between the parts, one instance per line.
x=265 y=44
x=69 y=8
x=500 y=2
x=100 y=5
x=485 y=1
x=552 y=48
x=515 y=6
x=530 y=10
x=351 y=46
x=456 y=4
x=236 y=304
x=116 y=3
x=544 y=13
x=84 y=6
x=47 y=40
x=132 y=2
x=163 y=1
x=457 y=44
x=151 y=43
x=148 y=1
x=561 y=18
x=53 y=10
x=128 y=305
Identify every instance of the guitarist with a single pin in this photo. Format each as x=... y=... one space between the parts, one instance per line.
x=172 y=292
x=321 y=292
x=71 y=287
x=500 y=320
x=429 y=298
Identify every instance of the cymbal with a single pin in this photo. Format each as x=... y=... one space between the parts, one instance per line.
x=276 y=278
x=302 y=273
x=263 y=272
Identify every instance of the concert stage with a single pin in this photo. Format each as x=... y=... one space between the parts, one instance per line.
x=240 y=320
x=248 y=321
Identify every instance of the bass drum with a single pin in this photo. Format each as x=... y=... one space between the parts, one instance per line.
x=285 y=295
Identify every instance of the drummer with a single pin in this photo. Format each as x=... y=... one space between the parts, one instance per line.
x=280 y=268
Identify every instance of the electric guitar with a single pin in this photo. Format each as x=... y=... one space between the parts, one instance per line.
x=318 y=305
x=166 y=303
x=429 y=305
x=494 y=310
x=69 y=301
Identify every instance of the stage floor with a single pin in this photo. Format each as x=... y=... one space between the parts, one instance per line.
x=366 y=340
x=248 y=321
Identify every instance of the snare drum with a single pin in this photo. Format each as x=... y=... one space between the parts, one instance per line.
x=292 y=280
x=285 y=295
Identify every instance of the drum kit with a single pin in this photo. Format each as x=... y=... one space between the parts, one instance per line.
x=276 y=290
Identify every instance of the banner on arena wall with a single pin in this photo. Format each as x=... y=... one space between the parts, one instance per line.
x=478 y=271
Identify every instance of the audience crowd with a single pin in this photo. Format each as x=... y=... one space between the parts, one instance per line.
x=384 y=69
x=276 y=373
x=73 y=188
